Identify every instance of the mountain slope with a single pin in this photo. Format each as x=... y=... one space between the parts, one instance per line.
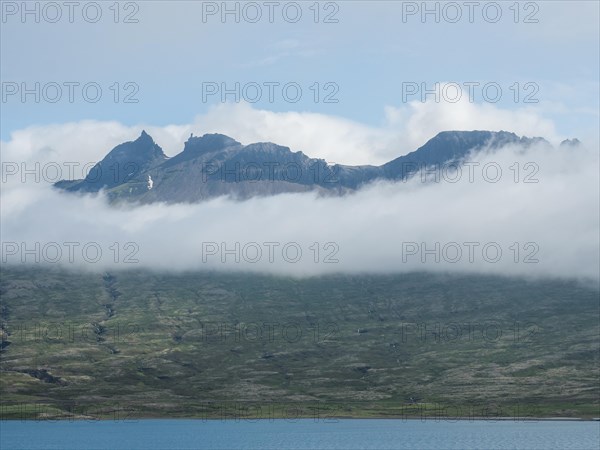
x=168 y=345
x=451 y=146
x=124 y=163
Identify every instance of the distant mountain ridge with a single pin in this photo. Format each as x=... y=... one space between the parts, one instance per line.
x=214 y=164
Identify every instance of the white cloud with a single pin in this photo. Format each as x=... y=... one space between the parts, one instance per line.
x=332 y=138
x=427 y=119
x=554 y=220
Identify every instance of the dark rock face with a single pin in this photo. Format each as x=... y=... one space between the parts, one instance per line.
x=215 y=164
x=198 y=147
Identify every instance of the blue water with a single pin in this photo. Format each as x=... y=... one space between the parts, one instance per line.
x=299 y=434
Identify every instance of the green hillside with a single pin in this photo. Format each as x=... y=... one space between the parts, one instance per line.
x=140 y=344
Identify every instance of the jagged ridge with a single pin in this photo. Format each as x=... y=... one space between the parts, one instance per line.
x=215 y=164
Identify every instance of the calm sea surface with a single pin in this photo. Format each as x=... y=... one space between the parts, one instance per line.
x=299 y=434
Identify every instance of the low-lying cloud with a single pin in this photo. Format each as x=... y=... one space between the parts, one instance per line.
x=514 y=211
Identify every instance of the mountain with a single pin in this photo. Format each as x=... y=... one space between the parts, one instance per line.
x=570 y=143
x=214 y=164
x=123 y=164
x=452 y=146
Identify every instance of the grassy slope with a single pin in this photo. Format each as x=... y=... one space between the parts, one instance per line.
x=143 y=344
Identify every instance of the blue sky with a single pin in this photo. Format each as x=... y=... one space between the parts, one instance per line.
x=368 y=55
x=170 y=52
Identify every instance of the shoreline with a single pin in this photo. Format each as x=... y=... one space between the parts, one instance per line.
x=316 y=420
